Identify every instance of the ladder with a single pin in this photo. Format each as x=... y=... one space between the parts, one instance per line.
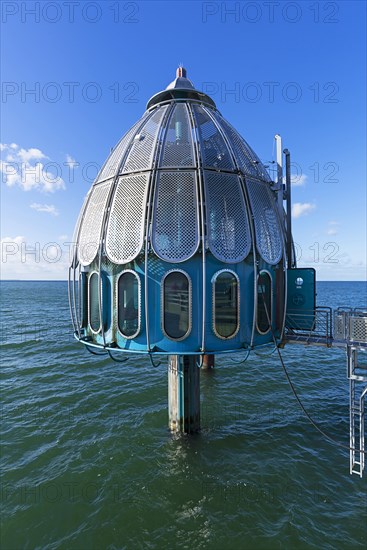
x=357 y=375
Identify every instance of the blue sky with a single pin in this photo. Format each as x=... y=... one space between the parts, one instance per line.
x=77 y=75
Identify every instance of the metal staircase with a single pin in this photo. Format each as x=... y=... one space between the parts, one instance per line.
x=350 y=332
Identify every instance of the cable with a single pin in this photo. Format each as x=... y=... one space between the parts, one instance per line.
x=155 y=365
x=122 y=360
x=266 y=354
x=315 y=425
x=94 y=352
x=242 y=360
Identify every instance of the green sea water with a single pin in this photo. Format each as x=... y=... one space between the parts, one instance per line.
x=88 y=461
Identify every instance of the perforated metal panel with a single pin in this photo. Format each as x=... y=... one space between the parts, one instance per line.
x=110 y=167
x=175 y=234
x=178 y=144
x=125 y=228
x=340 y=325
x=358 y=329
x=214 y=150
x=74 y=254
x=90 y=233
x=143 y=148
x=246 y=158
x=268 y=232
x=226 y=217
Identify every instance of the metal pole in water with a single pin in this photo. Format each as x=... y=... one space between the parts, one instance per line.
x=208 y=361
x=183 y=393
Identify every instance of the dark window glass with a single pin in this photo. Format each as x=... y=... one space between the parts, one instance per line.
x=226 y=304
x=82 y=300
x=128 y=313
x=263 y=302
x=176 y=305
x=94 y=318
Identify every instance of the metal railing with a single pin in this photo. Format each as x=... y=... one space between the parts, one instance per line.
x=313 y=326
x=344 y=326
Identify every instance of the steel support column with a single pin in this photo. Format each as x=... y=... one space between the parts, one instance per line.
x=183 y=393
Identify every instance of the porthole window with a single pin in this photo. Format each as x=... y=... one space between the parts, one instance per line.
x=226 y=304
x=264 y=302
x=176 y=305
x=93 y=303
x=128 y=304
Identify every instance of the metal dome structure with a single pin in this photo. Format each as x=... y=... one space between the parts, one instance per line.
x=181 y=238
x=183 y=248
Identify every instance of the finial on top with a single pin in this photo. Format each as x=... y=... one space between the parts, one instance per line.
x=181 y=72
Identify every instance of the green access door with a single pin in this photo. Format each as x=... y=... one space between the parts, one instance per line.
x=301 y=298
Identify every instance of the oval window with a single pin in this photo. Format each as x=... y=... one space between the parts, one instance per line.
x=226 y=304
x=176 y=305
x=83 y=300
x=128 y=304
x=93 y=302
x=264 y=302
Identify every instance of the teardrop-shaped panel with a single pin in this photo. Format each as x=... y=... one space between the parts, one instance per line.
x=226 y=217
x=178 y=147
x=142 y=151
x=91 y=225
x=111 y=166
x=175 y=236
x=268 y=232
x=247 y=160
x=213 y=148
x=74 y=254
x=125 y=229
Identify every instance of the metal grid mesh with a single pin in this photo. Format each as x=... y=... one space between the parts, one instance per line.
x=358 y=329
x=110 y=168
x=90 y=233
x=246 y=158
x=226 y=217
x=125 y=230
x=214 y=150
x=143 y=148
x=175 y=218
x=267 y=228
x=178 y=143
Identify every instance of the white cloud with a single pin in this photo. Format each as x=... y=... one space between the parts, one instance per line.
x=30 y=154
x=71 y=162
x=17 y=240
x=29 y=260
x=302 y=208
x=49 y=208
x=22 y=167
x=333 y=228
x=297 y=180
